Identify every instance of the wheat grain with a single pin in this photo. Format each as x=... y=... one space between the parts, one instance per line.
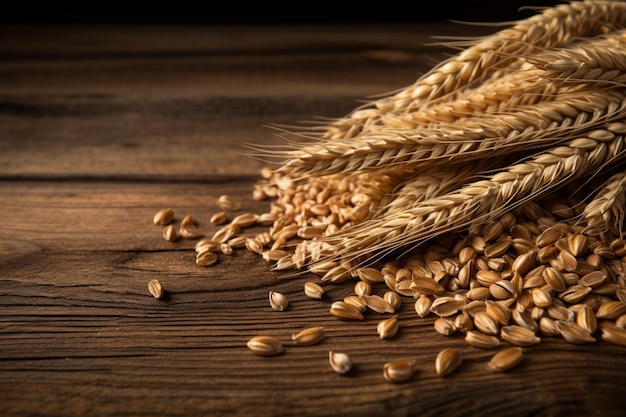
x=169 y=233
x=309 y=336
x=265 y=346
x=156 y=289
x=388 y=328
x=447 y=361
x=505 y=359
x=340 y=362
x=278 y=301
x=163 y=217
x=399 y=371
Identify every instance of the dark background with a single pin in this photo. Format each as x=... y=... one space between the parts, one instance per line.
x=259 y=12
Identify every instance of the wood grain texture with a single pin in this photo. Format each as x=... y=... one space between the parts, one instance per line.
x=84 y=165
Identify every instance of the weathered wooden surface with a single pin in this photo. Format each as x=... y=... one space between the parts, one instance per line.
x=100 y=127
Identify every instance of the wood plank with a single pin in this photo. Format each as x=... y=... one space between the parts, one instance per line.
x=99 y=129
x=80 y=334
x=155 y=102
x=24 y=41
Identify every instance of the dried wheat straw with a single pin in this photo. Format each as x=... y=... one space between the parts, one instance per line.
x=483 y=200
x=526 y=129
x=554 y=26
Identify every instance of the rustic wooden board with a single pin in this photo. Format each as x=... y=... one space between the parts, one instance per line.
x=91 y=147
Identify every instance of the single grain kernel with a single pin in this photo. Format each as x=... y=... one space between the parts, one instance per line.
x=310 y=336
x=422 y=305
x=254 y=246
x=356 y=301
x=611 y=310
x=156 y=289
x=377 y=304
x=393 y=298
x=284 y=263
x=370 y=275
x=447 y=361
x=447 y=306
x=399 y=371
x=227 y=203
x=480 y=340
x=206 y=258
x=265 y=346
x=485 y=323
x=226 y=249
x=206 y=245
x=548 y=327
x=519 y=336
x=163 y=217
x=340 y=362
x=554 y=278
x=273 y=255
x=237 y=242
x=505 y=359
x=463 y=322
x=573 y=332
x=444 y=326
x=362 y=288
x=345 y=311
x=498 y=311
x=611 y=333
x=339 y=273
x=502 y=289
x=245 y=220
x=189 y=219
x=169 y=233
x=219 y=218
x=313 y=290
x=388 y=328
x=225 y=233
x=278 y=301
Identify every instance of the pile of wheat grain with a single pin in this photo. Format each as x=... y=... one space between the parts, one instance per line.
x=491 y=191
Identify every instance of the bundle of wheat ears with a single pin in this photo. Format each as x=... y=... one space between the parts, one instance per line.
x=491 y=191
x=520 y=115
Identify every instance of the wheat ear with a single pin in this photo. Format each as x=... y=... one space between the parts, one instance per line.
x=594 y=64
x=597 y=61
x=510 y=90
x=552 y=27
x=490 y=135
x=579 y=64
x=605 y=213
x=432 y=183
x=481 y=201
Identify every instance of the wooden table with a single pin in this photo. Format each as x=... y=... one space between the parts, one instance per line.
x=101 y=126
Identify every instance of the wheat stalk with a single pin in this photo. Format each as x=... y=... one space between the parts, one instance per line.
x=599 y=60
x=431 y=183
x=593 y=62
x=553 y=27
x=512 y=89
x=483 y=200
x=530 y=127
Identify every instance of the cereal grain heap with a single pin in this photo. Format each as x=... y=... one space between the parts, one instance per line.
x=491 y=192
